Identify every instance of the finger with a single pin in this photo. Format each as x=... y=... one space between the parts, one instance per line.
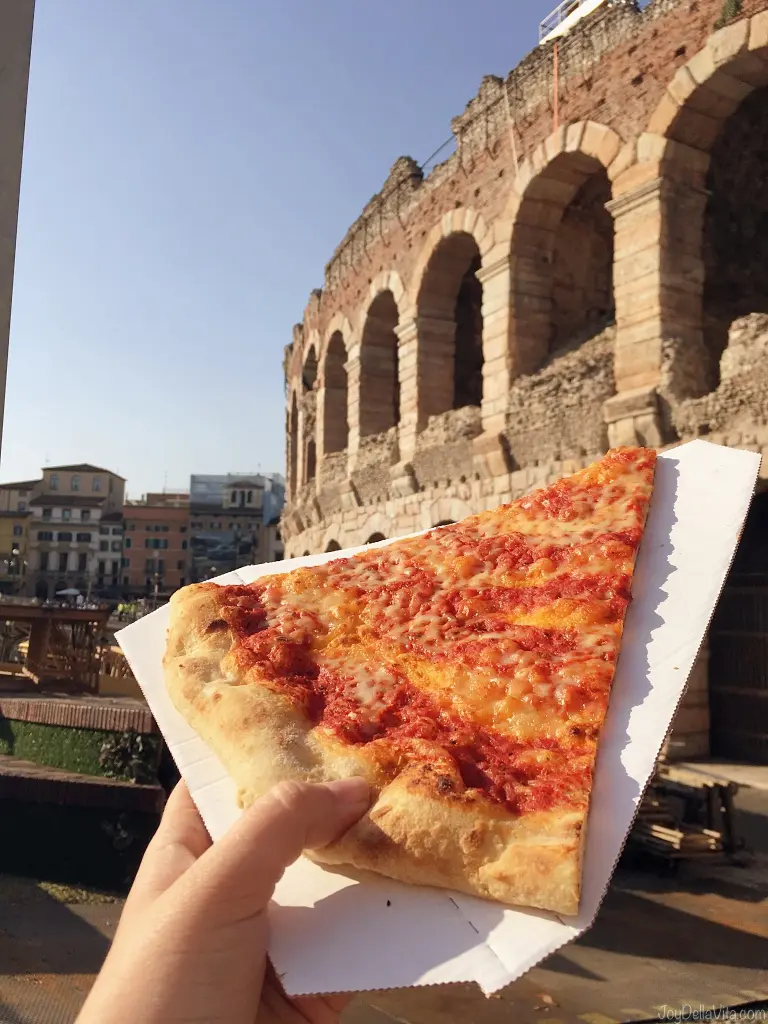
x=181 y=838
x=239 y=874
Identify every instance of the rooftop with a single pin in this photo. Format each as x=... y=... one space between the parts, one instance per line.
x=20 y=485
x=82 y=467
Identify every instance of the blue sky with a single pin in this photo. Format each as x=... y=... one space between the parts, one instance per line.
x=189 y=167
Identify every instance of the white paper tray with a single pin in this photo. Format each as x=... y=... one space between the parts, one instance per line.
x=332 y=933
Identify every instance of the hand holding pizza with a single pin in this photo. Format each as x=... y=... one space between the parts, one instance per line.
x=192 y=940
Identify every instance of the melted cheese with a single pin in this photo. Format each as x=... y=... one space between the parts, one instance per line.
x=442 y=610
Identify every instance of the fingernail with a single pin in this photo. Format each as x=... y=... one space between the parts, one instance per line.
x=352 y=792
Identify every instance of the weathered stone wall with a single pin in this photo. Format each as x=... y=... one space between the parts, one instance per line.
x=604 y=274
x=741 y=399
x=557 y=413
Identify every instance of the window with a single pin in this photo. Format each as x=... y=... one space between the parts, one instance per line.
x=66 y=514
x=43 y=561
x=179 y=565
x=47 y=513
x=82 y=562
x=22 y=506
x=45 y=534
x=234 y=497
x=160 y=565
x=165 y=529
x=150 y=565
x=182 y=529
x=250 y=497
x=115 y=531
x=18 y=531
x=182 y=581
x=96 y=483
x=183 y=545
x=127 y=542
x=126 y=581
x=126 y=563
x=104 y=530
x=147 y=528
x=197 y=526
x=65 y=535
x=116 y=545
x=111 y=485
x=75 y=483
x=54 y=484
x=102 y=569
x=84 y=538
x=63 y=559
x=85 y=515
x=104 y=545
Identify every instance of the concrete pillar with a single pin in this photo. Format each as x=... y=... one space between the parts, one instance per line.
x=16 y=19
x=354 y=371
x=425 y=368
x=496 y=279
x=658 y=280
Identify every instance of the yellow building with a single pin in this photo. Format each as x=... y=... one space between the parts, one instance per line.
x=14 y=537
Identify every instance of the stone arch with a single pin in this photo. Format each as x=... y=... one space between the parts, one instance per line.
x=376 y=524
x=444 y=511
x=450 y=327
x=379 y=402
x=562 y=243
x=310 y=461
x=333 y=545
x=707 y=138
x=335 y=395
x=376 y=538
x=339 y=322
x=309 y=368
x=293 y=444
x=388 y=281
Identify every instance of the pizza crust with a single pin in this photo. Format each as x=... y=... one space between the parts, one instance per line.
x=424 y=827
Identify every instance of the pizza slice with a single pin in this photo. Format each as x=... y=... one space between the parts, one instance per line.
x=464 y=672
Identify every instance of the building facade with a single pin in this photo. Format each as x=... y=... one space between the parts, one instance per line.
x=14 y=541
x=156 y=549
x=234 y=521
x=65 y=542
x=586 y=270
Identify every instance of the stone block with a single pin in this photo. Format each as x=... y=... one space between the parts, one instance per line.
x=490 y=457
x=632 y=403
x=573 y=136
x=624 y=159
x=758 y=33
x=729 y=41
x=600 y=142
x=664 y=115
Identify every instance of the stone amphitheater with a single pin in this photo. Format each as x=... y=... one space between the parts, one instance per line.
x=589 y=268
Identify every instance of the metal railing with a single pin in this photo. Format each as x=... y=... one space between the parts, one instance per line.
x=562 y=13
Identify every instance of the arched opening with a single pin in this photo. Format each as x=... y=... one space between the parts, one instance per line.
x=379 y=380
x=563 y=250
x=375 y=538
x=444 y=522
x=450 y=328
x=305 y=555
x=293 y=443
x=335 y=425
x=41 y=590
x=333 y=546
x=311 y=459
x=309 y=372
x=735 y=244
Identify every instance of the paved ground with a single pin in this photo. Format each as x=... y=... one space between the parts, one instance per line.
x=700 y=938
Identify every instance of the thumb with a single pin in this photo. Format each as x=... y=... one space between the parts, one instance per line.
x=239 y=873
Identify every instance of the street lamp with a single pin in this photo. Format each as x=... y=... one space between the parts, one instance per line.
x=15 y=565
